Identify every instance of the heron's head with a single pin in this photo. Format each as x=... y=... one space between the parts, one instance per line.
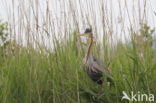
x=88 y=33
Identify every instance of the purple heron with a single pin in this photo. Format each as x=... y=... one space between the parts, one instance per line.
x=95 y=68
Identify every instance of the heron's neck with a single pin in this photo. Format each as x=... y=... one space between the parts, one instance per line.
x=89 y=49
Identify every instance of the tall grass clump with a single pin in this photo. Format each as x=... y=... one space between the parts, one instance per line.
x=41 y=55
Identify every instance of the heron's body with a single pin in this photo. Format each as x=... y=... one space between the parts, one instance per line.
x=96 y=69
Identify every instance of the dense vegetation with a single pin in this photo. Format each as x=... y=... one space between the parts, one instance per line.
x=41 y=55
x=28 y=75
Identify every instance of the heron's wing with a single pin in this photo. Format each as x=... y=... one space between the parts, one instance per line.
x=100 y=65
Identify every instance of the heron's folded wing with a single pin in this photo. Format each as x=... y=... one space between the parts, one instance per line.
x=100 y=65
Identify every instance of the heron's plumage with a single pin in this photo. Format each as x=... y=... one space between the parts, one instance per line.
x=96 y=69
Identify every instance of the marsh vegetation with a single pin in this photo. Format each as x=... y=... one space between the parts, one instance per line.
x=41 y=55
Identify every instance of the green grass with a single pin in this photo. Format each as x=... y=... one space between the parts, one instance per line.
x=45 y=75
x=35 y=76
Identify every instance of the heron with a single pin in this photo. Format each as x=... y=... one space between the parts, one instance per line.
x=95 y=68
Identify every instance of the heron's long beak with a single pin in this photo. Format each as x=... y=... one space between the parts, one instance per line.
x=84 y=34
